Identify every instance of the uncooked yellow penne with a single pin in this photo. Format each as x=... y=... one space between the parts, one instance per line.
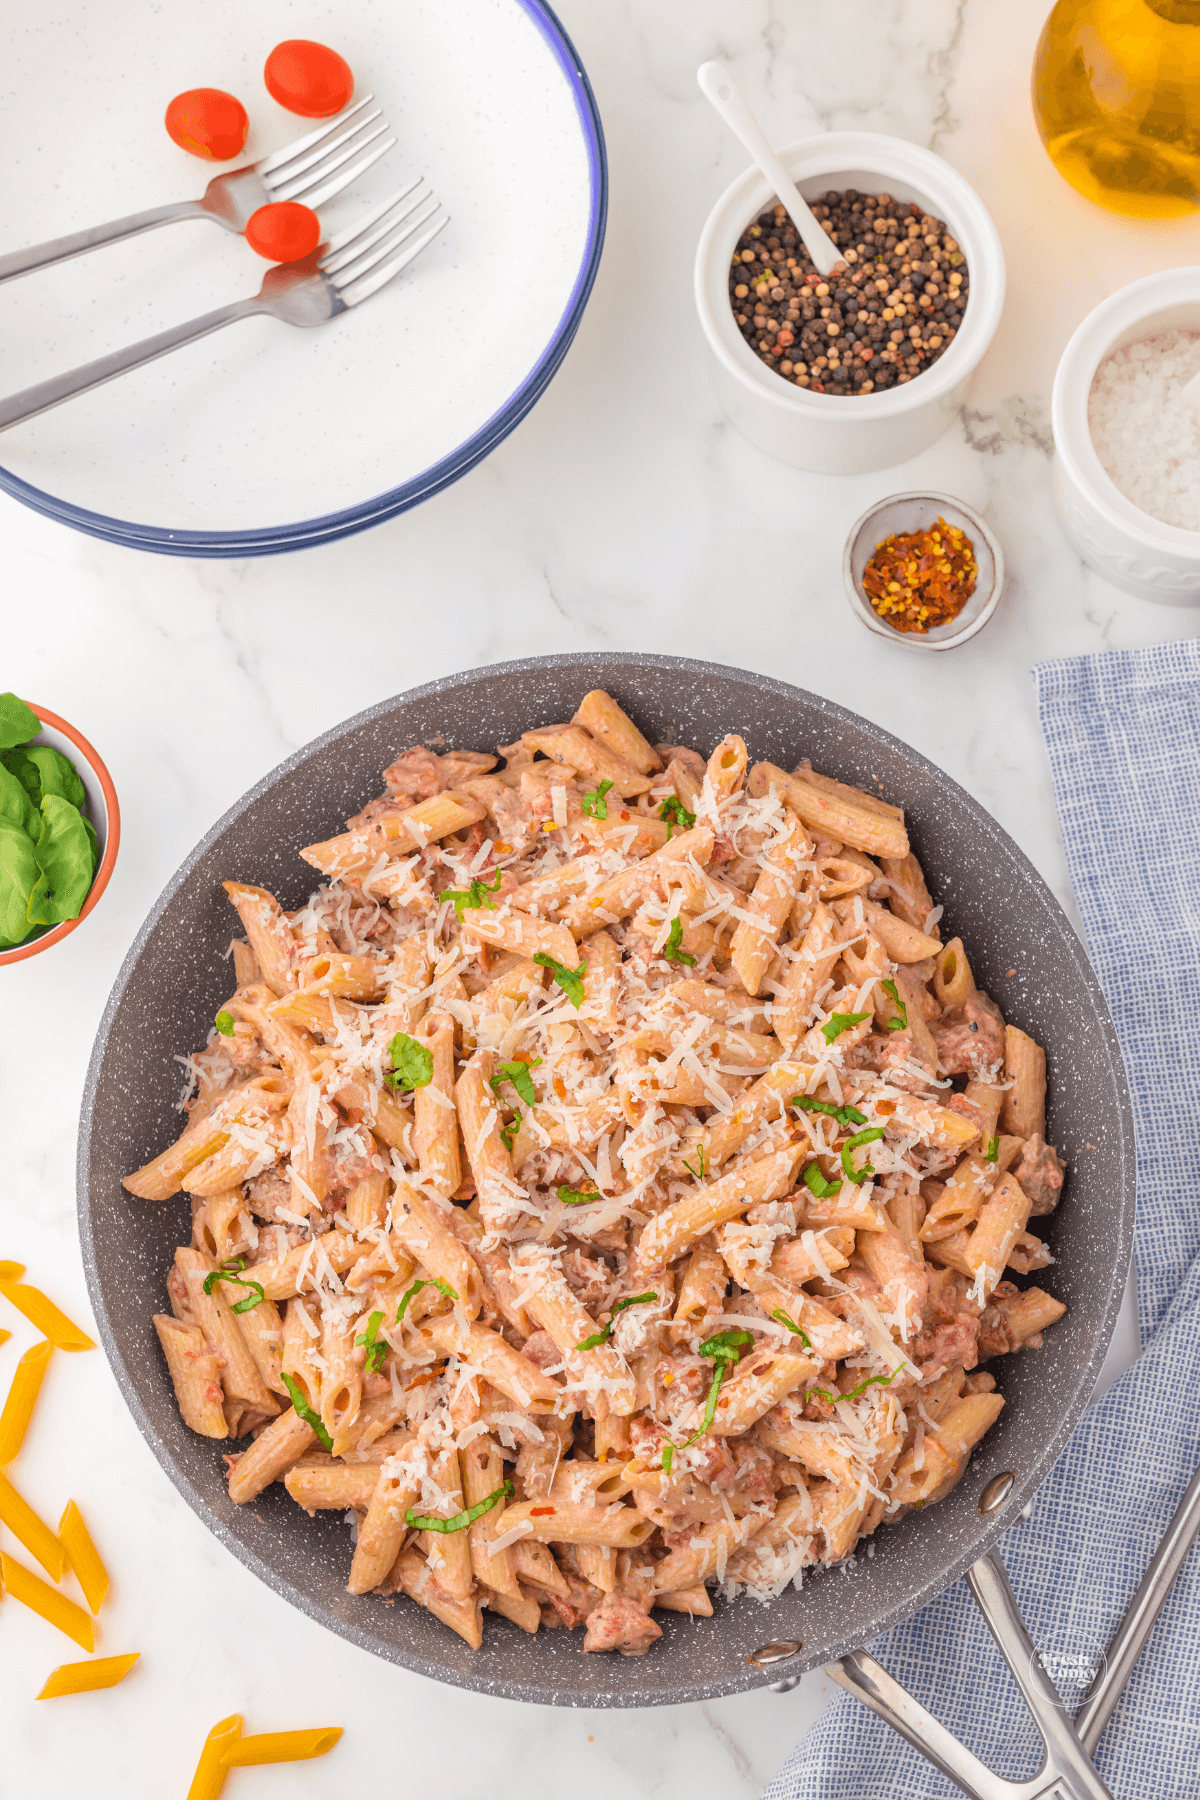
x=43 y=1313
x=22 y=1397
x=33 y=1532
x=22 y=1584
x=83 y=1556
x=86 y=1677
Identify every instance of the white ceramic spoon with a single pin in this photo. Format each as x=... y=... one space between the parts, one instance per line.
x=725 y=97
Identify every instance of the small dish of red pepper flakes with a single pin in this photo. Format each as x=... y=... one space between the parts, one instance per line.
x=918 y=580
x=924 y=570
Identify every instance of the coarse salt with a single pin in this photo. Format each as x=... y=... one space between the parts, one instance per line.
x=1145 y=433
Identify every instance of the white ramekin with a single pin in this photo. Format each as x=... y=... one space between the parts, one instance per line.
x=826 y=432
x=1120 y=541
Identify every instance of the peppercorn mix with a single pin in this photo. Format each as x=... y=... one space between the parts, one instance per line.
x=884 y=315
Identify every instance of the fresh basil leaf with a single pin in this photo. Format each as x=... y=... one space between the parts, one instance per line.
x=710 y=1408
x=726 y=1346
x=900 y=1021
x=508 y=1132
x=18 y=723
x=304 y=1411
x=418 y=1522
x=232 y=1271
x=569 y=980
x=671 y=948
x=518 y=1074
x=992 y=1154
x=594 y=804
x=19 y=874
x=668 y=1457
x=816 y=1183
x=373 y=1361
x=832 y=1399
x=17 y=763
x=836 y=1023
x=225 y=1023
x=601 y=1337
x=792 y=1327
x=845 y=1115
x=569 y=1196
x=858 y=1176
x=412 y=1063
x=16 y=807
x=675 y=813
x=472 y=896
x=64 y=859
x=58 y=774
x=93 y=840
x=443 y=1287
x=701 y=1162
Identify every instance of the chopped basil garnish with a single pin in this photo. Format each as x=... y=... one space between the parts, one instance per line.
x=725 y=1350
x=224 y=1022
x=594 y=804
x=569 y=980
x=845 y=1115
x=676 y=813
x=858 y=1176
x=232 y=1271
x=412 y=1063
x=601 y=1337
x=701 y=1160
x=883 y=1381
x=461 y=1520
x=369 y=1339
x=726 y=1346
x=443 y=1287
x=674 y=940
x=992 y=1154
x=518 y=1074
x=816 y=1183
x=668 y=1457
x=792 y=1326
x=472 y=896
x=569 y=1196
x=900 y=1021
x=836 y=1023
x=304 y=1411
x=508 y=1132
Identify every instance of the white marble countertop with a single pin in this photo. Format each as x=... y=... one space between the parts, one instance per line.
x=623 y=513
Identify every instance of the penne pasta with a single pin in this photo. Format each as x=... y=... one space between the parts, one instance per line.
x=86 y=1677
x=21 y=1400
x=609 y=1187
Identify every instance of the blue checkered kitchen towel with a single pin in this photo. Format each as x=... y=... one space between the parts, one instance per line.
x=1123 y=732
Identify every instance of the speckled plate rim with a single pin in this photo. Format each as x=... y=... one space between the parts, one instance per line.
x=303 y=534
x=1115 y=1263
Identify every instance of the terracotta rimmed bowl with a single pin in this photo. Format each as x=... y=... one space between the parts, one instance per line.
x=103 y=810
x=175 y=977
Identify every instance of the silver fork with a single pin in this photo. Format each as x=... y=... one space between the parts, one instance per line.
x=351 y=267
x=313 y=170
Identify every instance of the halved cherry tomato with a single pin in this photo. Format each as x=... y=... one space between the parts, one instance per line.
x=308 y=78
x=284 y=232
x=208 y=123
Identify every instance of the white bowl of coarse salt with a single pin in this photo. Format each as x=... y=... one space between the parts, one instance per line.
x=1126 y=475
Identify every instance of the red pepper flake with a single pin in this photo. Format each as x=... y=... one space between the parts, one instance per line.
x=625 y=816
x=541 y=1512
x=916 y=580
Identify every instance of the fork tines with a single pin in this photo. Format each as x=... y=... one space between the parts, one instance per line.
x=359 y=260
x=314 y=168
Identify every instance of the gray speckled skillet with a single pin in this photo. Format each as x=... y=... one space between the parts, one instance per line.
x=175 y=977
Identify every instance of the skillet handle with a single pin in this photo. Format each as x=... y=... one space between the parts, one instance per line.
x=870 y=1682
x=1067 y=1762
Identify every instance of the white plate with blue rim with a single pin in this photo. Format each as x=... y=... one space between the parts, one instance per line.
x=264 y=438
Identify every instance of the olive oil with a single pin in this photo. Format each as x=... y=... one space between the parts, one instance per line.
x=1116 y=96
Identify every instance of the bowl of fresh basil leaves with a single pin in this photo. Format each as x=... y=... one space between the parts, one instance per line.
x=59 y=828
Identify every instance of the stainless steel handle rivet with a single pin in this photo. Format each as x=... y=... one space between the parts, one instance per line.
x=997 y=1491
x=766 y=1654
